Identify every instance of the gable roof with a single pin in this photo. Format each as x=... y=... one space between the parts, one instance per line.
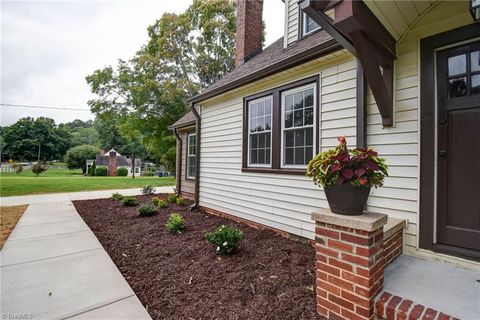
x=272 y=59
x=184 y=121
x=122 y=161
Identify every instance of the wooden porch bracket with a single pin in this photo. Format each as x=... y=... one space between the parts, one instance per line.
x=357 y=29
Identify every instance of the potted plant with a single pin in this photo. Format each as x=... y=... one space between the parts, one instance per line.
x=347 y=176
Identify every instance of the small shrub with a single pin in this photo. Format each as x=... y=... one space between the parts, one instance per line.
x=101 y=171
x=147 y=210
x=225 y=239
x=117 y=196
x=172 y=198
x=175 y=223
x=159 y=202
x=148 y=174
x=122 y=172
x=180 y=201
x=38 y=168
x=92 y=169
x=148 y=190
x=17 y=167
x=129 y=201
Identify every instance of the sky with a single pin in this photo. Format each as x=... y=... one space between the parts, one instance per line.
x=48 y=47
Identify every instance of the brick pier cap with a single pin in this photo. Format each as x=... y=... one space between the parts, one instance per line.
x=349 y=263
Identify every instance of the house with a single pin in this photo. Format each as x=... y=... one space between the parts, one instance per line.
x=113 y=161
x=400 y=76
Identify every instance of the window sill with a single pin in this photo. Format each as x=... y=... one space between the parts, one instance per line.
x=276 y=171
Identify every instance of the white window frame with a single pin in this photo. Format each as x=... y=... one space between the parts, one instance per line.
x=249 y=103
x=304 y=25
x=314 y=125
x=187 y=174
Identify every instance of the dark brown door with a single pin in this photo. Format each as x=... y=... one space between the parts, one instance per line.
x=458 y=149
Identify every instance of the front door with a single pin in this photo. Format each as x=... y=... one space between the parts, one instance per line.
x=458 y=149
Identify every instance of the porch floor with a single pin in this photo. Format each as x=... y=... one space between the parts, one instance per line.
x=436 y=285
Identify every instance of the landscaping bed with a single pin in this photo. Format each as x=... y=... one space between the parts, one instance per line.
x=181 y=277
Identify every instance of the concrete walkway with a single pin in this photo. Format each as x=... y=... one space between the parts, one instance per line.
x=53 y=267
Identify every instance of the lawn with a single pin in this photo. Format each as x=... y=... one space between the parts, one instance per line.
x=63 y=180
x=179 y=276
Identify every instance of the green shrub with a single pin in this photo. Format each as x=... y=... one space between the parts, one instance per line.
x=38 y=168
x=77 y=157
x=92 y=169
x=159 y=202
x=148 y=174
x=147 y=210
x=172 y=198
x=175 y=223
x=180 y=201
x=101 y=171
x=122 y=172
x=148 y=190
x=17 y=167
x=117 y=196
x=129 y=201
x=225 y=239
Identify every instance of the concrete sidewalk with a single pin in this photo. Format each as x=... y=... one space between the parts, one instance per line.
x=53 y=267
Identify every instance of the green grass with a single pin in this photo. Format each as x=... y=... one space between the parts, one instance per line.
x=63 y=180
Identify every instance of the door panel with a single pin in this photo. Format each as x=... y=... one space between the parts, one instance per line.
x=458 y=148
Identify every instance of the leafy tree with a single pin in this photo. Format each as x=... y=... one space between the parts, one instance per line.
x=76 y=157
x=38 y=168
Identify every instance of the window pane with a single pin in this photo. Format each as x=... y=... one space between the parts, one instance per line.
x=309 y=98
x=268 y=122
x=261 y=140
x=298 y=100
x=289 y=102
x=457 y=87
x=289 y=119
x=475 y=84
x=253 y=125
x=309 y=136
x=308 y=154
x=267 y=156
x=253 y=110
x=261 y=156
x=253 y=156
x=299 y=137
x=260 y=123
x=308 y=116
x=268 y=107
x=475 y=61
x=289 y=138
x=300 y=155
x=261 y=109
x=298 y=118
x=267 y=139
x=310 y=24
x=254 y=141
x=289 y=155
x=457 y=64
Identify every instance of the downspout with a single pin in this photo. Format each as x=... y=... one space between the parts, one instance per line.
x=179 y=164
x=197 y=157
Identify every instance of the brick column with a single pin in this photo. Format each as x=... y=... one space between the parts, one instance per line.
x=349 y=263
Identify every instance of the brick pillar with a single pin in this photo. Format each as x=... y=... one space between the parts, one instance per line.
x=349 y=263
x=112 y=164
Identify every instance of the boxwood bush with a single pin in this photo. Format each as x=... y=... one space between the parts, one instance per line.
x=159 y=202
x=175 y=223
x=225 y=239
x=117 y=196
x=100 y=171
x=129 y=201
x=122 y=172
x=147 y=210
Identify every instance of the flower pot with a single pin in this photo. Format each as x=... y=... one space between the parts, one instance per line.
x=346 y=199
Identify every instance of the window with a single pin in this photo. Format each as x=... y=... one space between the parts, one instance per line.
x=137 y=170
x=259 y=131
x=309 y=25
x=298 y=114
x=280 y=128
x=191 y=149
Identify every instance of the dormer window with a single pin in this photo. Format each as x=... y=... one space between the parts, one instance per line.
x=309 y=25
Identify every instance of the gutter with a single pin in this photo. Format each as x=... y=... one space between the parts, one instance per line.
x=197 y=158
x=179 y=164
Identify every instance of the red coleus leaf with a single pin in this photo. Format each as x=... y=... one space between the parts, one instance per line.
x=340 y=180
x=372 y=165
x=336 y=167
x=359 y=172
x=347 y=173
x=362 y=181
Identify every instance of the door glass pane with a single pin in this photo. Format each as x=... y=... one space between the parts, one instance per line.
x=457 y=87
x=475 y=89
x=475 y=61
x=457 y=65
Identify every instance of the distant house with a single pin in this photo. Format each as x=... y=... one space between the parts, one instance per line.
x=113 y=161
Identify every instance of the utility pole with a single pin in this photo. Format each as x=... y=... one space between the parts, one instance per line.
x=38 y=153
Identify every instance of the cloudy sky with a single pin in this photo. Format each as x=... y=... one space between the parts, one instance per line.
x=48 y=47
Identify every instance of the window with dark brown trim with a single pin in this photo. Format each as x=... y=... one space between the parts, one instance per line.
x=190 y=156
x=280 y=128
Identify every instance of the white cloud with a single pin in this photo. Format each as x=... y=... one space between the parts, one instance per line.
x=48 y=47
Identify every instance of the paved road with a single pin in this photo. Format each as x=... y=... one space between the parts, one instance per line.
x=53 y=267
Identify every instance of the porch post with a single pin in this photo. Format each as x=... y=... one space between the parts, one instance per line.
x=349 y=263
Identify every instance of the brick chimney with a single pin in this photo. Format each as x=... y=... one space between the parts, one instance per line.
x=248 y=39
x=112 y=163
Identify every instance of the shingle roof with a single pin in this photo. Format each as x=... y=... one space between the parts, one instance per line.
x=272 y=59
x=186 y=120
x=121 y=161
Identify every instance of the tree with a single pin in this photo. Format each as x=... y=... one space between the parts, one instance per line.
x=38 y=168
x=77 y=157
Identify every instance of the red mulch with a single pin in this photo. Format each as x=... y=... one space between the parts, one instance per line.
x=180 y=276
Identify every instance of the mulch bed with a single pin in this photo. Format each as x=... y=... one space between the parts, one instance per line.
x=181 y=277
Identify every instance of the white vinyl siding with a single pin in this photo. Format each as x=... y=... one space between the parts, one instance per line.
x=291 y=21
x=280 y=201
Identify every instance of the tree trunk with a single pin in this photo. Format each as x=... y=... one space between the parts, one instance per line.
x=133 y=166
